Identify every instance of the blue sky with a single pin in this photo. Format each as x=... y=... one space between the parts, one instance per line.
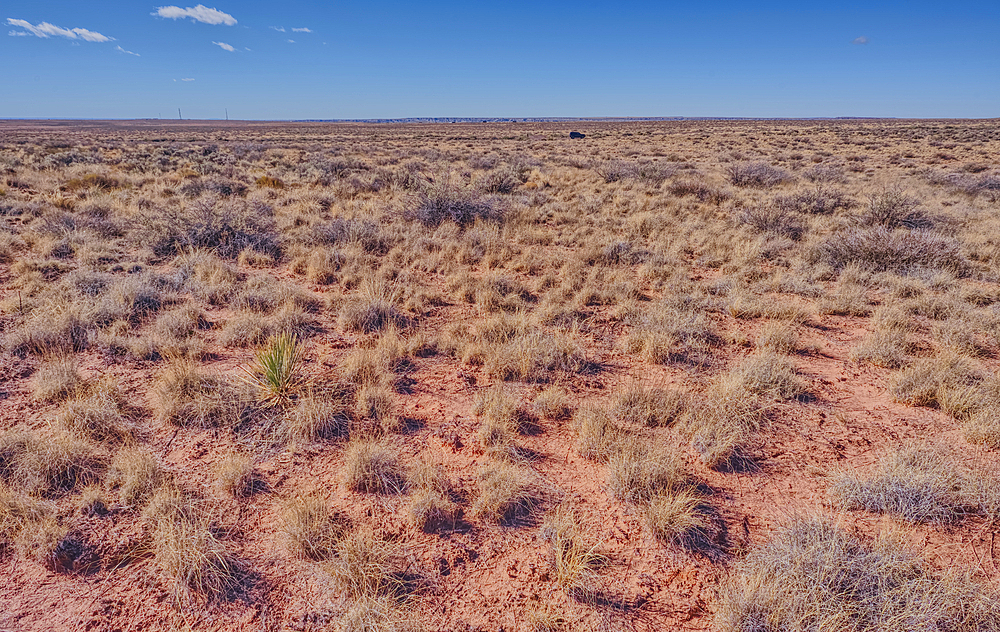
x=378 y=59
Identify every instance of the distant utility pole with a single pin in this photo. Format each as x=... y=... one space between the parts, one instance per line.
x=179 y=114
x=227 y=114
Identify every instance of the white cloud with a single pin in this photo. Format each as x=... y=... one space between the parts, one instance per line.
x=301 y=30
x=187 y=79
x=291 y=41
x=200 y=13
x=224 y=46
x=127 y=52
x=47 y=30
x=18 y=33
x=860 y=40
x=279 y=29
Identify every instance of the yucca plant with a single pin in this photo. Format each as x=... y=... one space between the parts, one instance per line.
x=275 y=370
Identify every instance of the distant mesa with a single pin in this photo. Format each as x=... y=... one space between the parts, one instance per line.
x=577 y=135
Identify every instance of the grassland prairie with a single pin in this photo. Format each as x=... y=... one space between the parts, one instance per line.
x=685 y=375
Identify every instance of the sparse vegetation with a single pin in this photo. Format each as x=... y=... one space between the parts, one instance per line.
x=362 y=376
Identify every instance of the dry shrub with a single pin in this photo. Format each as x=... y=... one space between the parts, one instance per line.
x=758 y=175
x=446 y=202
x=880 y=249
x=373 y=468
x=651 y=407
x=918 y=485
x=501 y=418
x=225 y=227
x=506 y=493
x=21 y=518
x=772 y=220
x=703 y=191
x=892 y=208
x=813 y=575
x=678 y=518
x=186 y=549
x=817 y=201
x=311 y=530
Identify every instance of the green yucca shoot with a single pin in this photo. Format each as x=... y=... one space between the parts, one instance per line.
x=274 y=371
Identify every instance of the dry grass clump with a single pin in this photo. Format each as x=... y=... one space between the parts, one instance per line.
x=946 y=381
x=820 y=200
x=184 y=396
x=321 y=413
x=236 y=475
x=674 y=333
x=506 y=493
x=765 y=373
x=370 y=567
x=374 y=411
x=638 y=472
x=49 y=466
x=56 y=380
x=22 y=518
x=918 y=485
x=888 y=344
x=814 y=575
x=136 y=474
x=778 y=336
x=651 y=407
x=575 y=564
x=551 y=403
x=502 y=418
x=724 y=427
x=373 y=468
x=98 y=415
x=186 y=549
x=311 y=530
x=598 y=437
x=536 y=357
x=374 y=308
x=432 y=508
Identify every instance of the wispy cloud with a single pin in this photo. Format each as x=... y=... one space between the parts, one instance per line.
x=279 y=29
x=301 y=30
x=200 y=13
x=860 y=40
x=225 y=46
x=291 y=41
x=127 y=52
x=187 y=79
x=48 y=30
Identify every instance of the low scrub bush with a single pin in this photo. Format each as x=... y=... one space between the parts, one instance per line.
x=373 y=468
x=758 y=175
x=814 y=575
x=226 y=228
x=651 y=407
x=917 y=485
x=446 y=202
x=506 y=493
x=880 y=249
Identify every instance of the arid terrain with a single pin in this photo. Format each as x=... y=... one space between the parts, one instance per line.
x=685 y=375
